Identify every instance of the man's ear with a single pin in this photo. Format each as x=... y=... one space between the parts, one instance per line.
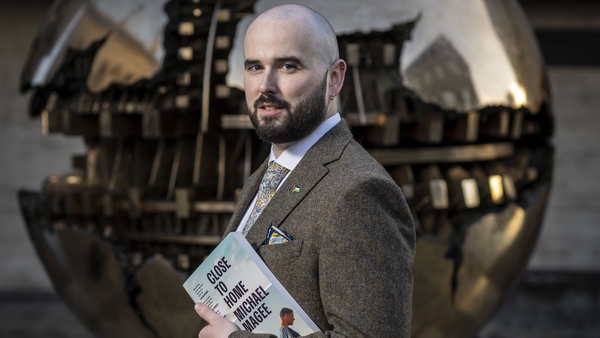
x=336 y=76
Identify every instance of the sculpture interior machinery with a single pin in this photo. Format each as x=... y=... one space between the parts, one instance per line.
x=450 y=97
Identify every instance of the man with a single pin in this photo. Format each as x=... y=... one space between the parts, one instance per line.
x=287 y=319
x=353 y=235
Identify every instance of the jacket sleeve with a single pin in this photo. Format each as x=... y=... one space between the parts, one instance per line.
x=365 y=262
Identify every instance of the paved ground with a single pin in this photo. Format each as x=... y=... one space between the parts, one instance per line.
x=550 y=305
x=38 y=315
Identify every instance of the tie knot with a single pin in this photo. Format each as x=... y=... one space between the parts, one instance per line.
x=276 y=172
x=277 y=168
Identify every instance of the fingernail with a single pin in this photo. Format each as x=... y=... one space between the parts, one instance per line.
x=197 y=306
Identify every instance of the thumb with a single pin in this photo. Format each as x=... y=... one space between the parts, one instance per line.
x=206 y=313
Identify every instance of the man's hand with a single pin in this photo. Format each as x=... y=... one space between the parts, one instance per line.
x=217 y=326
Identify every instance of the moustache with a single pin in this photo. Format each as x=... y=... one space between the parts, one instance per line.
x=272 y=100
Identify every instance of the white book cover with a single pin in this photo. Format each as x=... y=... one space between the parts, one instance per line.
x=235 y=282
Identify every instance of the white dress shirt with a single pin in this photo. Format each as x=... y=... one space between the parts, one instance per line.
x=292 y=156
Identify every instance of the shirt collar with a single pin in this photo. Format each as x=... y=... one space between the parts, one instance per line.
x=292 y=155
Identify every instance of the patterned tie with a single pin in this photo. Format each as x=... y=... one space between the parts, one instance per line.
x=268 y=186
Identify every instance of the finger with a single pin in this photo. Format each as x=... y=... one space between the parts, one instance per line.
x=206 y=313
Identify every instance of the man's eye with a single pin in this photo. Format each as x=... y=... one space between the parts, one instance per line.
x=288 y=66
x=253 y=68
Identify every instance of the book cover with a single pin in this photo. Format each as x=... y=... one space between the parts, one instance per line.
x=235 y=282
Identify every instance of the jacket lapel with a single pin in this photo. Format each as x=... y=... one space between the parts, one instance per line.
x=311 y=169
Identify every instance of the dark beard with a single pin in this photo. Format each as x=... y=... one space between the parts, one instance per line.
x=290 y=125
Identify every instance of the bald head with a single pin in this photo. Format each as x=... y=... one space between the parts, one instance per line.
x=307 y=25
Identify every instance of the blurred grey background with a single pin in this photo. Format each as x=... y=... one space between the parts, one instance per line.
x=559 y=296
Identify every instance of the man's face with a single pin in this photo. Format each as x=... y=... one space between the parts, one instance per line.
x=285 y=82
x=289 y=319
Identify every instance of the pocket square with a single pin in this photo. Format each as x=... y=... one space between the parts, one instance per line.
x=276 y=235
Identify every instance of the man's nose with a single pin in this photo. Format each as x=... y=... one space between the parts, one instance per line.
x=268 y=84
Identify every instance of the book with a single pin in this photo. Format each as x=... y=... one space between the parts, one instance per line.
x=235 y=282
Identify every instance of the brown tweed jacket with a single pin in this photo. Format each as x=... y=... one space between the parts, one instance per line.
x=350 y=264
